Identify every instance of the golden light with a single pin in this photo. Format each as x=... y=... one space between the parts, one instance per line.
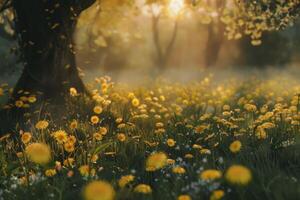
x=175 y=7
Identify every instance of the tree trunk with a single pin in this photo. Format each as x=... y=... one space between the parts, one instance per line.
x=45 y=33
x=213 y=45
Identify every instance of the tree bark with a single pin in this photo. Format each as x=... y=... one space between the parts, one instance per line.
x=45 y=34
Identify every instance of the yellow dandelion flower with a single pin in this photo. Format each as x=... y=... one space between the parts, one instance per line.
x=99 y=190
x=235 y=146
x=131 y=95
x=210 y=174
x=95 y=119
x=73 y=125
x=38 y=153
x=171 y=142
x=200 y=128
x=239 y=175
x=84 y=170
x=98 y=110
x=178 y=170
x=26 y=137
x=103 y=131
x=261 y=133
x=156 y=161
x=69 y=147
x=119 y=120
x=170 y=161
x=124 y=180
x=60 y=136
x=69 y=162
x=184 y=197
x=97 y=136
x=143 y=188
x=50 y=172
x=217 y=195
x=71 y=139
x=205 y=151
x=188 y=156
x=73 y=92
x=94 y=158
x=32 y=99
x=135 y=102
x=121 y=137
x=41 y=125
x=19 y=104
x=250 y=107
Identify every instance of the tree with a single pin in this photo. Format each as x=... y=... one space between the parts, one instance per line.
x=44 y=30
x=156 y=10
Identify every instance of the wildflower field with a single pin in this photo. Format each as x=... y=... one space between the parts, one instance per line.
x=236 y=139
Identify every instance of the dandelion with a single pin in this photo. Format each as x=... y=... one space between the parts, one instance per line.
x=238 y=174
x=94 y=158
x=135 y=102
x=156 y=161
x=97 y=110
x=50 y=172
x=69 y=147
x=69 y=162
x=200 y=128
x=121 y=137
x=235 y=146
x=171 y=142
x=260 y=133
x=19 y=104
x=95 y=119
x=205 y=151
x=41 y=125
x=84 y=170
x=26 y=137
x=170 y=161
x=38 y=153
x=73 y=92
x=124 y=180
x=32 y=99
x=143 y=188
x=178 y=170
x=189 y=156
x=103 y=131
x=250 y=107
x=217 y=194
x=210 y=174
x=97 y=136
x=119 y=120
x=60 y=136
x=71 y=139
x=99 y=190
x=73 y=125
x=184 y=197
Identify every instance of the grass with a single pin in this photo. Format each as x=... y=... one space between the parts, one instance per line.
x=203 y=118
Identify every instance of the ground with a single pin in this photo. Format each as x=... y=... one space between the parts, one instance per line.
x=206 y=139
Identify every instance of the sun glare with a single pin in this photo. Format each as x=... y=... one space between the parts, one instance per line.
x=176 y=6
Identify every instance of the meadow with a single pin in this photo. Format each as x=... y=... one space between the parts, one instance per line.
x=207 y=139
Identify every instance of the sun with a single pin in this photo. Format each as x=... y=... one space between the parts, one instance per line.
x=176 y=6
